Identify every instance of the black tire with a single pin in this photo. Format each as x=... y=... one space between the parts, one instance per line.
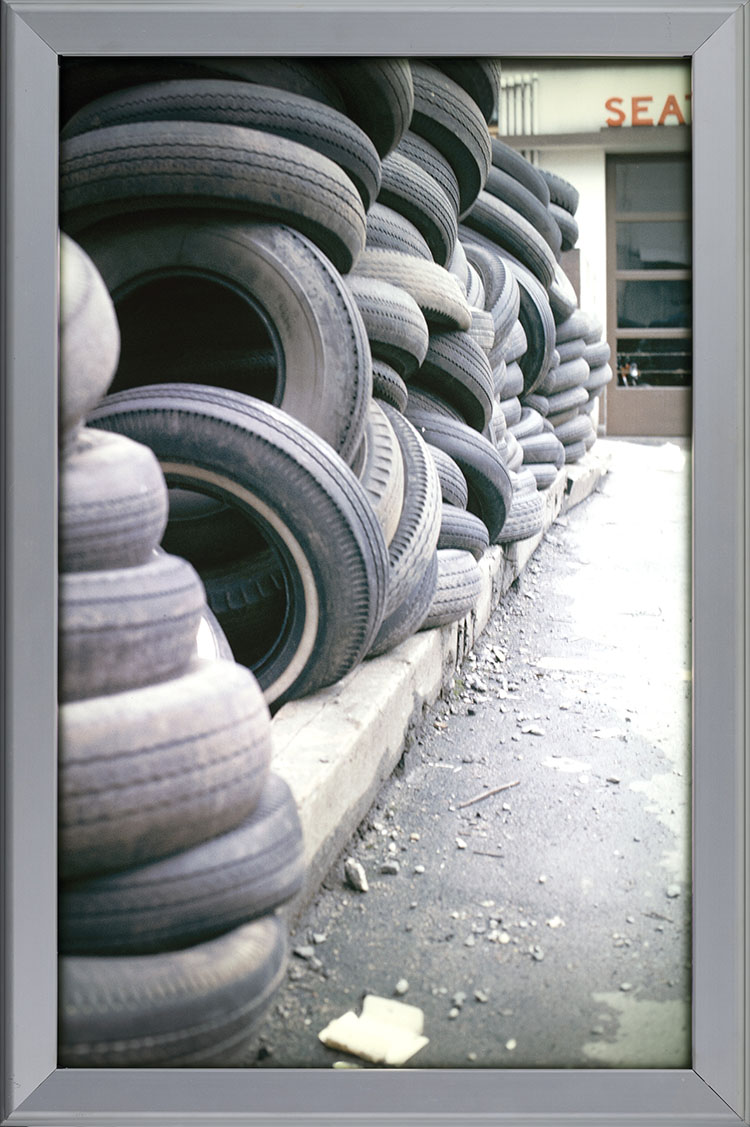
x=510 y=161
x=127 y=627
x=503 y=225
x=189 y=1008
x=202 y=745
x=246 y=104
x=435 y=290
x=387 y=230
x=307 y=77
x=561 y=192
x=506 y=188
x=249 y=597
x=153 y=165
x=453 y=488
x=480 y=78
x=291 y=485
x=388 y=386
x=571 y=349
x=382 y=472
x=405 y=619
x=432 y=161
x=463 y=530
x=546 y=473
x=502 y=297
x=489 y=488
x=526 y=517
x=89 y=336
x=538 y=324
x=530 y=422
x=113 y=503
x=423 y=399
x=459 y=585
x=568 y=374
x=511 y=409
x=208 y=532
x=449 y=119
x=563 y=298
x=597 y=353
x=413 y=193
x=566 y=400
x=457 y=369
x=567 y=224
x=193 y=895
x=282 y=280
x=418 y=528
x=395 y=325
x=544 y=447
x=378 y=94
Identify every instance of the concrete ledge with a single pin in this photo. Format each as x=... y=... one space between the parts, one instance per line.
x=336 y=747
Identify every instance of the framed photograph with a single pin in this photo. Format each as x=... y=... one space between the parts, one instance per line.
x=34 y=37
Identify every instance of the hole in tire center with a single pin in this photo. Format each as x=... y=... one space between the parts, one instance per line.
x=184 y=328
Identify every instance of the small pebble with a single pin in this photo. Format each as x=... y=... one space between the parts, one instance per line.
x=303 y=952
x=419 y=869
x=542 y=879
x=453 y=1014
x=470 y=941
x=401 y=986
x=597 y=1030
x=471 y=1056
x=625 y=986
x=630 y=919
x=390 y=868
x=458 y=998
x=481 y=996
x=355 y=875
x=510 y=1045
x=460 y=843
x=414 y=837
x=504 y=937
x=673 y=890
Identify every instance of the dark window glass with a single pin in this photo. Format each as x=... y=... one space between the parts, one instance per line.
x=654 y=363
x=658 y=185
x=653 y=246
x=654 y=305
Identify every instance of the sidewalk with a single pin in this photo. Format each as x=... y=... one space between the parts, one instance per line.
x=543 y=926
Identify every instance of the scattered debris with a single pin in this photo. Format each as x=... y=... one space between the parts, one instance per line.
x=542 y=879
x=484 y=853
x=304 y=952
x=387 y=1032
x=453 y=1013
x=469 y=941
x=419 y=869
x=510 y=1045
x=532 y=730
x=355 y=875
x=536 y=953
x=414 y=837
x=390 y=868
x=319 y=937
x=460 y=843
x=555 y=922
x=481 y=996
x=625 y=986
x=459 y=998
x=401 y=986
x=612 y=779
x=487 y=794
x=673 y=890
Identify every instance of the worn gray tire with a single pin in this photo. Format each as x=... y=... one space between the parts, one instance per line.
x=395 y=325
x=408 y=189
x=546 y=473
x=202 y=744
x=432 y=161
x=382 y=472
x=387 y=230
x=436 y=291
x=388 y=386
x=526 y=517
x=568 y=374
x=544 y=447
x=457 y=369
x=378 y=94
x=562 y=193
x=512 y=162
x=463 y=530
x=459 y=585
x=506 y=188
x=453 y=486
x=509 y=229
x=567 y=225
x=189 y=1008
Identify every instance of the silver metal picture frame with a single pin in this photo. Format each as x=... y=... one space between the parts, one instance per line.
x=716 y=36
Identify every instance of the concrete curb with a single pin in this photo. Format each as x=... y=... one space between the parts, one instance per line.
x=336 y=747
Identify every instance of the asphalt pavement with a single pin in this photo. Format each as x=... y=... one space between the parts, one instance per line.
x=547 y=924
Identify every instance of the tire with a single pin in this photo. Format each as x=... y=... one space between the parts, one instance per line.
x=563 y=417
x=113 y=503
x=317 y=330
x=432 y=161
x=210 y=641
x=578 y=324
x=502 y=297
x=506 y=227
x=546 y=474
x=202 y=745
x=176 y=1009
x=382 y=472
x=378 y=94
x=475 y=294
x=561 y=192
x=306 y=77
x=413 y=193
x=269 y=110
x=512 y=410
x=567 y=400
x=457 y=369
x=574 y=452
x=291 y=485
x=594 y=330
x=423 y=399
x=514 y=346
x=462 y=530
x=597 y=353
x=576 y=430
x=418 y=528
x=571 y=349
x=459 y=585
x=89 y=336
x=567 y=224
x=544 y=447
x=453 y=488
x=563 y=298
x=394 y=323
x=510 y=161
x=124 y=628
x=497 y=428
x=480 y=78
x=568 y=374
x=526 y=517
x=387 y=230
x=449 y=119
x=598 y=378
x=514 y=452
x=460 y=267
x=499 y=378
x=482 y=329
x=208 y=532
x=153 y=165
x=489 y=488
x=437 y=293
x=409 y=615
x=538 y=403
x=530 y=422
x=193 y=895
x=506 y=188
x=513 y=380
x=388 y=386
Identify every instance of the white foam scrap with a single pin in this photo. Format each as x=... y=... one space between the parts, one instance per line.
x=387 y=1032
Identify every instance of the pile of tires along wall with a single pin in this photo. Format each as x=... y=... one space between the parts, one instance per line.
x=346 y=337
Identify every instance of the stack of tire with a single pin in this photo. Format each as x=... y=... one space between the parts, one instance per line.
x=176 y=843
